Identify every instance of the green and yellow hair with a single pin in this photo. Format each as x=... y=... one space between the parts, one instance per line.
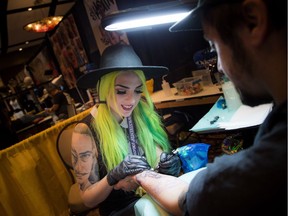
x=150 y=131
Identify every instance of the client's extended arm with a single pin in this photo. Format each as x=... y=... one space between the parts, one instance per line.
x=167 y=191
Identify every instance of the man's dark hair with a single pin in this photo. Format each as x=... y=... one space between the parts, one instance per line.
x=227 y=17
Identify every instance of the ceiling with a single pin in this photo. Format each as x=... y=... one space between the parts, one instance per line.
x=14 y=15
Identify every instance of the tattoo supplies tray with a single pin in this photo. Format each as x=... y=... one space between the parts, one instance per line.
x=189 y=86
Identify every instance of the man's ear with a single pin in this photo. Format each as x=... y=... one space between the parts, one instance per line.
x=256 y=19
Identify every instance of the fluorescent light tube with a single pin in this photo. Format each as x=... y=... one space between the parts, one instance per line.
x=149 y=21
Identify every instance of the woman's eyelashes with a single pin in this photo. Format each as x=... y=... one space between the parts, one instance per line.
x=139 y=91
x=122 y=92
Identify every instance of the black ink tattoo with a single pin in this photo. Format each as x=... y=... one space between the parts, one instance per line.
x=146 y=174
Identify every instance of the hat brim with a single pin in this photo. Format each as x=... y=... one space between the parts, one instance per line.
x=90 y=79
x=191 y=22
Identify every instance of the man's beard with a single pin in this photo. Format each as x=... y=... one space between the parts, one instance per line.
x=245 y=65
x=252 y=100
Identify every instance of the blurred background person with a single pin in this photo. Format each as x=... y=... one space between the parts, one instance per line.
x=59 y=101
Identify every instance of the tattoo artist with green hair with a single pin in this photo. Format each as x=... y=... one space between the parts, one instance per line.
x=122 y=136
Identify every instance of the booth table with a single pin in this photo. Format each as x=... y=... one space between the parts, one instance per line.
x=209 y=95
x=197 y=104
x=34 y=128
x=219 y=119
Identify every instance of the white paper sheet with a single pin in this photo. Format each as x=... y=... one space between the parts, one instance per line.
x=246 y=116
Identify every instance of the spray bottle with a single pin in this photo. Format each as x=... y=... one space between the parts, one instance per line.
x=166 y=87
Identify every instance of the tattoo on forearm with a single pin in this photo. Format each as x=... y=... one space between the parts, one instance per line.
x=142 y=176
x=145 y=179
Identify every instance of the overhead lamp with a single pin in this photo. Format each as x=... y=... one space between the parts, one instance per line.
x=44 y=25
x=146 y=16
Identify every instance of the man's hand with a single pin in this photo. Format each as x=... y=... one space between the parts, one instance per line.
x=131 y=165
x=169 y=164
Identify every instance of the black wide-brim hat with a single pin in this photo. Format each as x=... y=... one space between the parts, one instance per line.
x=192 y=21
x=119 y=57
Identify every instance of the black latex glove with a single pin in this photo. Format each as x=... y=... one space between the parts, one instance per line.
x=131 y=165
x=169 y=164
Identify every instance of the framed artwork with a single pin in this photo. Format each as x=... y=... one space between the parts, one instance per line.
x=69 y=50
x=42 y=68
x=96 y=10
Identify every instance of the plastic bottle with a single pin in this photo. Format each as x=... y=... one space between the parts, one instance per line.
x=231 y=96
x=166 y=87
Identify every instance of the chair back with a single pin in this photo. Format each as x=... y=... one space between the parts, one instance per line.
x=71 y=110
x=69 y=99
